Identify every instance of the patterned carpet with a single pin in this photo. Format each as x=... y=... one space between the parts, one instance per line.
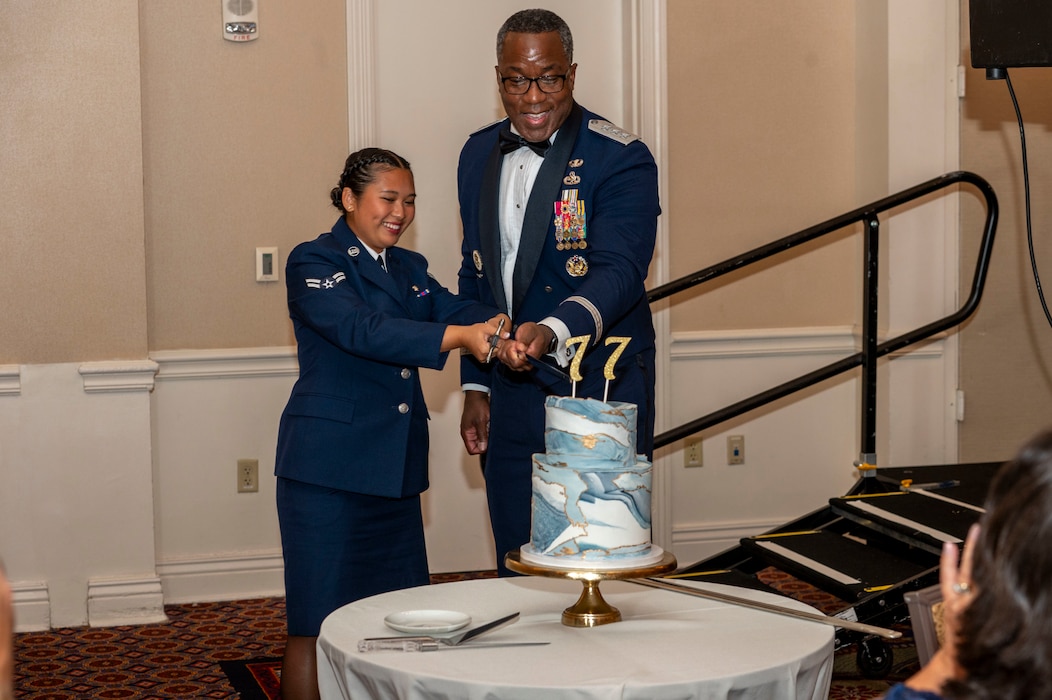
x=206 y=646
x=178 y=660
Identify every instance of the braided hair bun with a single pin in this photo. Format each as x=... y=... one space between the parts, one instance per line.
x=360 y=170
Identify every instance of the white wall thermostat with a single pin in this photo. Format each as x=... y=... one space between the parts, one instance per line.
x=240 y=20
x=267 y=265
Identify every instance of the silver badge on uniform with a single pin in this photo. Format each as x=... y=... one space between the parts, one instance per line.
x=576 y=163
x=353 y=251
x=572 y=179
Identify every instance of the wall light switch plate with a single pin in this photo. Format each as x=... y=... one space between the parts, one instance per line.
x=267 y=265
x=735 y=449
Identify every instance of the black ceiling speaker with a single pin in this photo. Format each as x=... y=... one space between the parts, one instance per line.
x=1008 y=33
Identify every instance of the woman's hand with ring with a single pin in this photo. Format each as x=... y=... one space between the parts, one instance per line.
x=955 y=577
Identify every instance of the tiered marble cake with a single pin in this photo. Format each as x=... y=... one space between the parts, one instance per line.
x=591 y=491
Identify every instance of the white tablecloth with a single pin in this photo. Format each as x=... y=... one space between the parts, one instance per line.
x=668 y=645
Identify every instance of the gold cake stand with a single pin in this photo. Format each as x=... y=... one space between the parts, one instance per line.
x=591 y=609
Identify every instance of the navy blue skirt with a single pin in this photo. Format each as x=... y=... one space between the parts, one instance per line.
x=340 y=546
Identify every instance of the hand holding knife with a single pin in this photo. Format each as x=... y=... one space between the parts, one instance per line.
x=494 y=339
x=539 y=364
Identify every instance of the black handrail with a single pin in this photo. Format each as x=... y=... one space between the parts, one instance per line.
x=871 y=349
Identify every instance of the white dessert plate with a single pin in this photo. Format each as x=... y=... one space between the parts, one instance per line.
x=427 y=621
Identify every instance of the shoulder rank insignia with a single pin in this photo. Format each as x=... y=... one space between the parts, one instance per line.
x=327 y=283
x=610 y=131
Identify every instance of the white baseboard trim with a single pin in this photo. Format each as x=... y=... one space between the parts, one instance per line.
x=32 y=606
x=137 y=601
x=234 y=577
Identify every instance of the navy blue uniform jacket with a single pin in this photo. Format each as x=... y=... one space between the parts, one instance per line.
x=356 y=419
x=605 y=296
x=596 y=290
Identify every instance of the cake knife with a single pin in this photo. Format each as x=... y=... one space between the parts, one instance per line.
x=544 y=365
x=430 y=644
x=768 y=607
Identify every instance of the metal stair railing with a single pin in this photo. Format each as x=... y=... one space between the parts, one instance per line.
x=872 y=349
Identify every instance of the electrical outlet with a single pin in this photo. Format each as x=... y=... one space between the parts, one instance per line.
x=692 y=452
x=247 y=475
x=735 y=449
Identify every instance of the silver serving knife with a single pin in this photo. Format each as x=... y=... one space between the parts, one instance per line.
x=425 y=643
x=429 y=644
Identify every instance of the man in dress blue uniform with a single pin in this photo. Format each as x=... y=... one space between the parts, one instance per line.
x=559 y=209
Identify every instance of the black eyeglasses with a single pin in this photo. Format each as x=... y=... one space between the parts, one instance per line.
x=520 y=84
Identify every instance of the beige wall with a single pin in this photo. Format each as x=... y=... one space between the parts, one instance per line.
x=242 y=143
x=1006 y=350
x=72 y=271
x=144 y=160
x=779 y=119
x=762 y=136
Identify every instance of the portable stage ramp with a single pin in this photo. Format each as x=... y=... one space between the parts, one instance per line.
x=867 y=548
x=883 y=538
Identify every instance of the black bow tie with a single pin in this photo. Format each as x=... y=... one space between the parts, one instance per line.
x=510 y=142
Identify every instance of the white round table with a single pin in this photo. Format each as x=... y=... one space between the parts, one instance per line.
x=668 y=645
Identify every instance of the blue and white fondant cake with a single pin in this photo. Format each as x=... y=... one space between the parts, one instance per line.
x=591 y=491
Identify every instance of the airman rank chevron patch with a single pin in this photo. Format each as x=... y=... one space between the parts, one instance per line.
x=327 y=283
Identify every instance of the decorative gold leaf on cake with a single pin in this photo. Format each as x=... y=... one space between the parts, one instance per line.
x=589 y=441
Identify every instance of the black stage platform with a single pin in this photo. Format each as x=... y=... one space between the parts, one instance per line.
x=867 y=548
